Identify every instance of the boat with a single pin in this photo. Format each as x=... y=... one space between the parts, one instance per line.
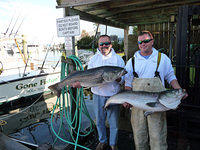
x=26 y=76
x=13 y=88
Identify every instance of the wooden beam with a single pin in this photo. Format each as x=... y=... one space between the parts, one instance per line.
x=71 y=3
x=127 y=10
x=133 y=18
x=161 y=12
x=93 y=18
x=147 y=21
x=195 y=9
x=133 y=5
x=116 y=4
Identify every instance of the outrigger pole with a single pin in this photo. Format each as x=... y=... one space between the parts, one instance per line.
x=41 y=69
x=13 y=26
x=9 y=25
x=19 y=27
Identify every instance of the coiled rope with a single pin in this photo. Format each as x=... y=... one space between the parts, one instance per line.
x=73 y=121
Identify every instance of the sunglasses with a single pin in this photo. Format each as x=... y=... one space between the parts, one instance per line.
x=105 y=43
x=145 y=41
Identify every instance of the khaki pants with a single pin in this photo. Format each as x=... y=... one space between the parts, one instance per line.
x=151 y=129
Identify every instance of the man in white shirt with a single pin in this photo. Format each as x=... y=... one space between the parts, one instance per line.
x=151 y=130
x=105 y=56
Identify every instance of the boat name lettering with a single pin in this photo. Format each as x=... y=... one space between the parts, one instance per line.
x=41 y=82
x=24 y=86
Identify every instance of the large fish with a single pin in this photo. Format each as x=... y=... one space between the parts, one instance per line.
x=148 y=101
x=90 y=78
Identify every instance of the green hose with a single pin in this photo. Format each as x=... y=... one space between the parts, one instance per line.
x=72 y=121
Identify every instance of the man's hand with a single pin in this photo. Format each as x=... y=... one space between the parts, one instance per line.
x=127 y=105
x=76 y=84
x=128 y=88
x=174 y=83
x=118 y=79
x=186 y=95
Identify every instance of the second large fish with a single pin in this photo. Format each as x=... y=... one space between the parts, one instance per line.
x=148 y=101
x=90 y=78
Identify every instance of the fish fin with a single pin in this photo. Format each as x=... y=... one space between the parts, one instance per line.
x=152 y=104
x=105 y=108
x=55 y=89
x=148 y=113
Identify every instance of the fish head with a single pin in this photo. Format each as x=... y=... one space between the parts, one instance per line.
x=172 y=98
x=177 y=93
x=113 y=73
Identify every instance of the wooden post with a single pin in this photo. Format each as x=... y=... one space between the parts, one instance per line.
x=126 y=42
x=68 y=12
x=73 y=104
x=181 y=47
x=181 y=44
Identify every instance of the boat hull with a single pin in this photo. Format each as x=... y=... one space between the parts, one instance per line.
x=27 y=86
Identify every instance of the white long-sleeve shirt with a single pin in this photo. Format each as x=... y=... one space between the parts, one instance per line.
x=145 y=68
x=112 y=59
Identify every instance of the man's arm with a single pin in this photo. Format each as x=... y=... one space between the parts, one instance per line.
x=174 y=83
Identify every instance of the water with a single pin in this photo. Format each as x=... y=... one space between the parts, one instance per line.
x=14 y=64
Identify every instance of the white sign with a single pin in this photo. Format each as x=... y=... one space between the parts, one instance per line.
x=68 y=43
x=68 y=26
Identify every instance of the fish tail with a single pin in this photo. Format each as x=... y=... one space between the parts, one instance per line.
x=55 y=89
x=104 y=108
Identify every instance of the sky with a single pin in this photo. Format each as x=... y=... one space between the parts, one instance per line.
x=38 y=20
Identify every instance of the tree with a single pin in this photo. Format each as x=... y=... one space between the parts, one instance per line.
x=118 y=47
x=86 y=42
x=84 y=33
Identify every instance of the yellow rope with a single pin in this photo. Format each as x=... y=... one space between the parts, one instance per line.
x=20 y=51
x=3 y=122
x=1 y=69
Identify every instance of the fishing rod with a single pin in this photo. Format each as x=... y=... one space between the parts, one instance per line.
x=56 y=64
x=25 y=67
x=9 y=24
x=46 y=57
x=14 y=26
x=41 y=69
x=19 y=27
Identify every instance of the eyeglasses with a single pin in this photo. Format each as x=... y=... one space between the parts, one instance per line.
x=145 y=41
x=105 y=43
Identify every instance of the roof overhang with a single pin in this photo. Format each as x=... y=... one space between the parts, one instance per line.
x=124 y=13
